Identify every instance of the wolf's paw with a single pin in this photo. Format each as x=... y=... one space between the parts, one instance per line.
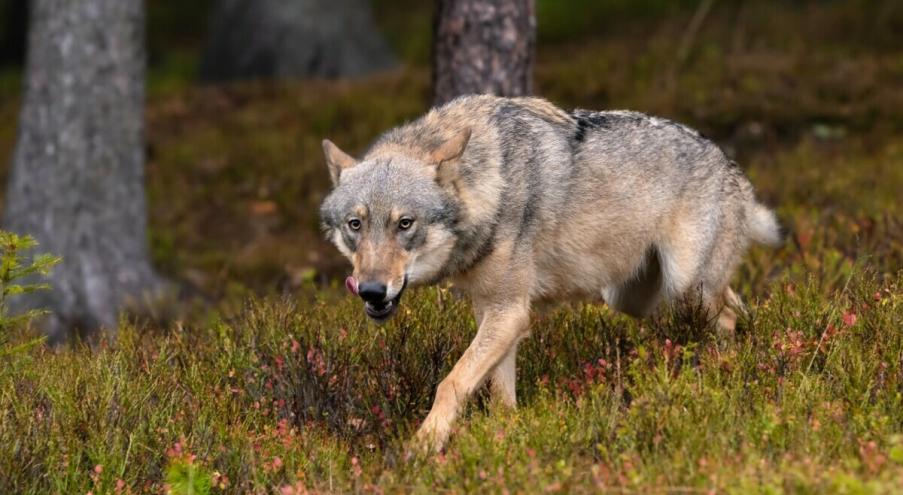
x=430 y=439
x=418 y=451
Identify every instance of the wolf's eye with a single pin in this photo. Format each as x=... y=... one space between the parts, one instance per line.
x=354 y=224
x=405 y=223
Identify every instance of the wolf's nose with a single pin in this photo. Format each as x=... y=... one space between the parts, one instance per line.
x=372 y=292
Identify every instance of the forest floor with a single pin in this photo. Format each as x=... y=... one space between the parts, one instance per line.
x=262 y=376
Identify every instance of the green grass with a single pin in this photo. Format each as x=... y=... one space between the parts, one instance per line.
x=265 y=378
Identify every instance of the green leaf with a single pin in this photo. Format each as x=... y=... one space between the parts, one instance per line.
x=896 y=454
x=187 y=478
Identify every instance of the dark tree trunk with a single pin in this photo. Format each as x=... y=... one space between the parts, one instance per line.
x=77 y=179
x=14 y=15
x=279 y=39
x=483 y=47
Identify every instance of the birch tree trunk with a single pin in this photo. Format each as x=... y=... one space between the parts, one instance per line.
x=77 y=178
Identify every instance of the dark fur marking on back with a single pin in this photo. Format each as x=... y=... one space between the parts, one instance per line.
x=588 y=120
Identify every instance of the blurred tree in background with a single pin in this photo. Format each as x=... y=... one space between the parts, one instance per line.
x=277 y=39
x=483 y=46
x=77 y=180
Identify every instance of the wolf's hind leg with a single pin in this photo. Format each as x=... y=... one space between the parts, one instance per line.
x=726 y=305
x=686 y=246
x=720 y=300
x=680 y=269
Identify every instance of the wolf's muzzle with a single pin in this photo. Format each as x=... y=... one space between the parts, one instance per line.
x=372 y=292
x=375 y=305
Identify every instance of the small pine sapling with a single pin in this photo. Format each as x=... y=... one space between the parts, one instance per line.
x=15 y=272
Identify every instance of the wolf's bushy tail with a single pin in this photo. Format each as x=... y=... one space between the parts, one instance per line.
x=762 y=225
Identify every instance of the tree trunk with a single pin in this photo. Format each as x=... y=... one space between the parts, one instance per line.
x=77 y=179
x=483 y=47
x=279 y=39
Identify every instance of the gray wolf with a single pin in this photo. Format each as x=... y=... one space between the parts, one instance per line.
x=516 y=200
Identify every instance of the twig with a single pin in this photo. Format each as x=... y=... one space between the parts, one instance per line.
x=689 y=37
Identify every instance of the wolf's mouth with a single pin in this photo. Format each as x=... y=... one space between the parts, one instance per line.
x=382 y=311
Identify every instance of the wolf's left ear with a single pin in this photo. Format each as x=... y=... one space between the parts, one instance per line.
x=451 y=149
x=337 y=160
x=447 y=152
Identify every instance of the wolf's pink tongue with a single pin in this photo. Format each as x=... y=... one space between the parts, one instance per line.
x=351 y=285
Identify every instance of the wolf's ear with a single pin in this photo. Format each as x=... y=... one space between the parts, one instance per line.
x=451 y=149
x=337 y=160
x=447 y=152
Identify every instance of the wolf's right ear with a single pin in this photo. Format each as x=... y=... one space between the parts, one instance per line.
x=337 y=160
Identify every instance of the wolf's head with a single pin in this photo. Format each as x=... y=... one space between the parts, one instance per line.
x=393 y=216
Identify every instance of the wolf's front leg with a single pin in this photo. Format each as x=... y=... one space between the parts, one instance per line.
x=503 y=381
x=500 y=330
